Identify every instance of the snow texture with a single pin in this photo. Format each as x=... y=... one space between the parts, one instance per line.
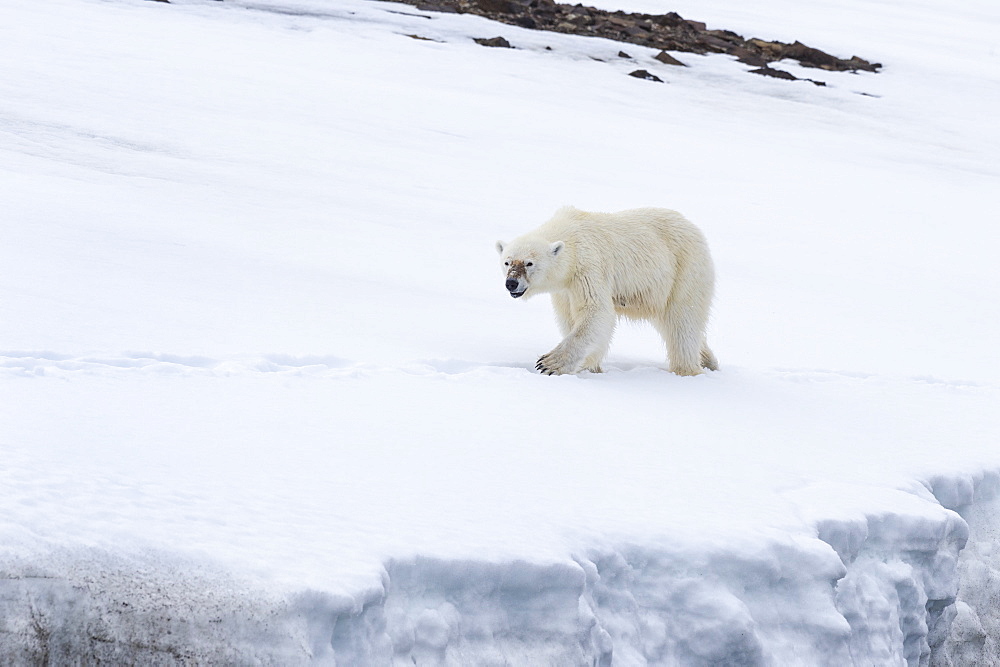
x=264 y=399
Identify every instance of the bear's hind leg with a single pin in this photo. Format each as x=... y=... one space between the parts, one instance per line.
x=683 y=337
x=593 y=361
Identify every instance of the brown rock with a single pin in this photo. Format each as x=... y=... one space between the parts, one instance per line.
x=497 y=6
x=772 y=49
x=725 y=35
x=748 y=57
x=671 y=20
x=494 y=41
x=809 y=57
x=860 y=63
x=435 y=7
x=714 y=43
x=776 y=73
x=668 y=59
x=643 y=74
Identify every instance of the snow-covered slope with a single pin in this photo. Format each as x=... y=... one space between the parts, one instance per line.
x=264 y=398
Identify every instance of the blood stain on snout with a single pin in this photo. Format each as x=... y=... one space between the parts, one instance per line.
x=517 y=270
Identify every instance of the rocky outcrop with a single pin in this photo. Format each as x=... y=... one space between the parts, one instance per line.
x=668 y=32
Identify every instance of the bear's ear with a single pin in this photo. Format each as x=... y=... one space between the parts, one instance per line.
x=554 y=248
x=500 y=247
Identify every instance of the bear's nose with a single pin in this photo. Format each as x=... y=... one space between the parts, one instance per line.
x=511 y=284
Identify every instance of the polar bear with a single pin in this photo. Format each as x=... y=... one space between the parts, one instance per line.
x=642 y=264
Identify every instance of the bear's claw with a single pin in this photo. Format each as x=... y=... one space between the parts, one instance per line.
x=543 y=370
x=550 y=364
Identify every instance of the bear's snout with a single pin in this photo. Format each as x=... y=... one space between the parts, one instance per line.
x=515 y=273
x=514 y=287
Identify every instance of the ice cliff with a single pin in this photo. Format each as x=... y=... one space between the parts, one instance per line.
x=897 y=588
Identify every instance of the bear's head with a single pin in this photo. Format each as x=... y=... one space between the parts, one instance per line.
x=531 y=265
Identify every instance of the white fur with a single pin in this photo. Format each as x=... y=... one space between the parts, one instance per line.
x=644 y=264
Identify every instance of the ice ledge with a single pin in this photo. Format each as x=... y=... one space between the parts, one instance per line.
x=885 y=587
x=972 y=632
x=915 y=586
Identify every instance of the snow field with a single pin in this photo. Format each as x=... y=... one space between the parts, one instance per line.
x=262 y=385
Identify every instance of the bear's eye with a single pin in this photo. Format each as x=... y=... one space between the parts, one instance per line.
x=506 y=263
x=529 y=264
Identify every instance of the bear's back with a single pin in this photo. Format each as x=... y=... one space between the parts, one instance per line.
x=624 y=227
x=638 y=253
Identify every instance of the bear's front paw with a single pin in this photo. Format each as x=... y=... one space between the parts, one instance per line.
x=556 y=362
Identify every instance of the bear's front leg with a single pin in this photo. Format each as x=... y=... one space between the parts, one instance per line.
x=558 y=362
x=591 y=334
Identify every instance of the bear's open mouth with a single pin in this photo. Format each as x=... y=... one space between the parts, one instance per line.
x=516 y=294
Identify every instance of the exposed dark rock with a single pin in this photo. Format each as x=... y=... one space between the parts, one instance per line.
x=622 y=54
x=497 y=6
x=667 y=32
x=782 y=74
x=668 y=59
x=435 y=7
x=748 y=57
x=494 y=41
x=776 y=73
x=643 y=74
x=855 y=63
